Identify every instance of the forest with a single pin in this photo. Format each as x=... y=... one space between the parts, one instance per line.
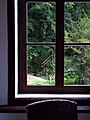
x=77 y=56
x=41 y=31
x=41 y=58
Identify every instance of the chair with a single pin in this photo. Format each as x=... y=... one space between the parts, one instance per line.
x=53 y=109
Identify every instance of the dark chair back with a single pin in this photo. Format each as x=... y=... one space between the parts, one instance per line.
x=54 y=109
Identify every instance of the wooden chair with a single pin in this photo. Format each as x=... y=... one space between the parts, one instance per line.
x=53 y=109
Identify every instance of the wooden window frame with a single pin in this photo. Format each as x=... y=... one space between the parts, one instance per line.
x=23 y=80
x=22 y=87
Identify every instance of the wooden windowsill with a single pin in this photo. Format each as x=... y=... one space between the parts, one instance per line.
x=12 y=109
x=22 y=109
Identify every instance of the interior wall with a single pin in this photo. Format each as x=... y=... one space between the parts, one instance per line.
x=13 y=116
x=3 y=52
x=4 y=69
x=84 y=116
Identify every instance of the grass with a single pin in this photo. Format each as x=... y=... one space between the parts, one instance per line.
x=33 y=80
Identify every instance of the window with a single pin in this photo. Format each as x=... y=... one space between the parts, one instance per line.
x=41 y=36
x=77 y=43
x=48 y=49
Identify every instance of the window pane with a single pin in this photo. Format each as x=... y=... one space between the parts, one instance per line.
x=77 y=65
x=41 y=22
x=41 y=65
x=76 y=22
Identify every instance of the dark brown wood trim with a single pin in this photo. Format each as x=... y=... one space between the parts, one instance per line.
x=12 y=109
x=59 y=43
x=11 y=50
x=22 y=109
x=22 y=43
x=23 y=88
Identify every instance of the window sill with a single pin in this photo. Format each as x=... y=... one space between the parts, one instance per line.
x=12 y=109
x=62 y=96
x=22 y=109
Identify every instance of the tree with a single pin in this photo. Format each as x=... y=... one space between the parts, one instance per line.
x=77 y=29
x=41 y=22
x=41 y=28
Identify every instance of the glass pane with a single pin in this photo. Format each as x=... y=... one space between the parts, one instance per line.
x=77 y=22
x=77 y=65
x=41 y=65
x=41 y=22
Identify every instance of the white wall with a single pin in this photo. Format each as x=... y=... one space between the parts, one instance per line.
x=13 y=116
x=4 y=65
x=3 y=52
x=84 y=116
x=4 y=69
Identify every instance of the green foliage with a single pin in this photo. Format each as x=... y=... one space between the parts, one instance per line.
x=41 y=22
x=70 y=77
x=41 y=28
x=77 y=29
x=46 y=82
x=77 y=65
x=36 y=55
x=77 y=22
